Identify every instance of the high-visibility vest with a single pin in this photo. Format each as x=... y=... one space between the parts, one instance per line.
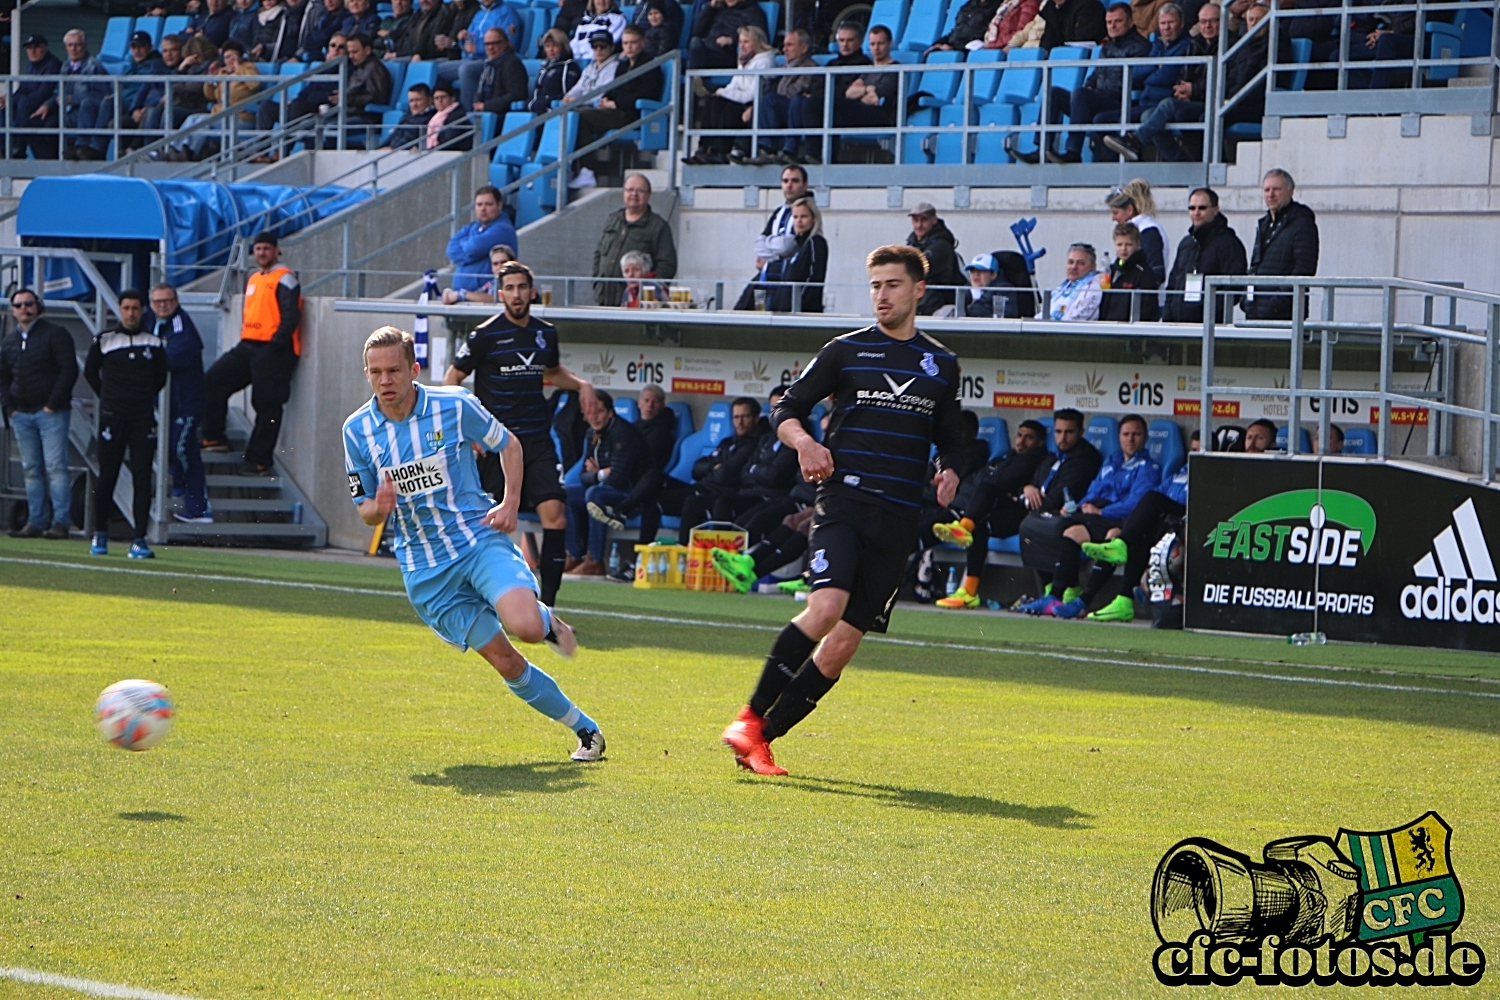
x=262 y=314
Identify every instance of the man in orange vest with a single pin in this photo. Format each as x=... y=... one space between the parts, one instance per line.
x=264 y=359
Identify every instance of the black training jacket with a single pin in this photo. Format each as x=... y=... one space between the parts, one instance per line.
x=127 y=368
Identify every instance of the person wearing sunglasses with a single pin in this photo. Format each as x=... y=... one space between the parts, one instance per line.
x=1210 y=247
x=38 y=367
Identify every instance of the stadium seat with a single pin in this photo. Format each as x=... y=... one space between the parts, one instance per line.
x=269 y=69
x=816 y=419
x=684 y=418
x=533 y=70
x=1164 y=445
x=486 y=124
x=421 y=72
x=151 y=26
x=1019 y=85
x=654 y=135
x=994 y=432
x=989 y=147
x=547 y=146
x=1068 y=78
x=174 y=25
x=574 y=475
x=772 y=11
x=1304 y=440
x=716 y=427
x=923 y=25
x=397 y=69
x=892 y=14
x=918 y=147
x=951 y=19
x=1051 y=441
x=1011 y=544
x=985 y=81
x=536 y=197
x=388 y=122
x=1360 y=441
x=114 y=50
x=627 y=408
x=291 y=69
x=1103 y=433
x=512 y=154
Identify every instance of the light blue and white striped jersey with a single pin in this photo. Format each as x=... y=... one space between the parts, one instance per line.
x=440 y=505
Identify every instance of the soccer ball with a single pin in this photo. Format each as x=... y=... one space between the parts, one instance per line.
x=134 y=714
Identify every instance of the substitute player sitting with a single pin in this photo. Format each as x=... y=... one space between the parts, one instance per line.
x=410 y=449
x=895 y=393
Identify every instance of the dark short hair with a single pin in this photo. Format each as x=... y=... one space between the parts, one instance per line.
x=606 y=399
x=1069 y=414
x=451 y=89
x=1336 y=429
x=779 y=390
x=265 y=236
x=633 y=29
x=1135 y=418
x=362 y=39
x=883 y=30
x=1263 y=422
x=420 y=88
x=797 y=167
x=749 y=401
x=135 y=295
x=1213 y=196
x=914 y=260
x=514 y=267
x=1034 y=426
x=231 y=45
x=491 y=190
x=970 y=420
x=29 y=291
x=1195 y=436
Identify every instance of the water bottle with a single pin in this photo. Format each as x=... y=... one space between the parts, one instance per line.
x=682 y=566
x=1069 y=508
x=614 y=560
x=297 y=512
x=1307 y=639
x=954 y=580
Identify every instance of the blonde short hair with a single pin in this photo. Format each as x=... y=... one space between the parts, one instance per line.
x=390 y=336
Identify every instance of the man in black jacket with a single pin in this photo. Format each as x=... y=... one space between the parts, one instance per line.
x=37 y=370
x=1186 y=104
x=412 y=129
x=617 y=109
x=1070 y=21
x=1100 y=91
x=127 y=366
x=763 y=498
x=718 y=473
x=658 y=429
x=179 y=335
x=1286 y=243
x=614 y=459
x=1053 y=491
x=969 y=25
x=1210 y=247
x=34 y=105
x=715 y=36
x=932 y=236
x=502 y=81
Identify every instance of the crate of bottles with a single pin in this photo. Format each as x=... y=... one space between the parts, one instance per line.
x=702 y=540
x=661 y=567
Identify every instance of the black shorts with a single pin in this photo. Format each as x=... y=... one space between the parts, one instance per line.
x=861 y=547
x=542 y=479
x=1097 y=524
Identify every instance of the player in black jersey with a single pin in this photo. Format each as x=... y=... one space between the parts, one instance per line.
x=895 y=393
x=511 y=355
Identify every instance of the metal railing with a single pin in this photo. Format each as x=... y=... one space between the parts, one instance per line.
x=1436 y=334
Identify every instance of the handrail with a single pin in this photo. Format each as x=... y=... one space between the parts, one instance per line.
x=104 y=294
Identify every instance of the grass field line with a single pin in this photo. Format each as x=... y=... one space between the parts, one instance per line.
x=90 y=987
x=884 y=640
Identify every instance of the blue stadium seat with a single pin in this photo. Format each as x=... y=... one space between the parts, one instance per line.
x=397 y=69
x=174 y=25
x=989 y=147
x=918 y=147
x=892 y=14
x=1068 y=78
x=269 y=69
x=151 y=26
x=986 y=81
x=1164 y=445
x=772 y=11
x=1304 y=440
x=421 y=72
x=533 y=70
x=547 y=146
x=1051 y=441
x=954 y=6
x=291 y=69
x=114 y=50
x=994 y=432
x=923 y=25
x=1103 y=433
x=1019 y=85
x=653 y=135
x=574 y=475
x=684 y=418
x=388 y=122
x=815 y=417
x=536 y=197
x=1360 y=441
x=512 y=154
x=627 y=408
x=1468 y=36
x=487 y=124
x=716 y=427
x=1011 y=544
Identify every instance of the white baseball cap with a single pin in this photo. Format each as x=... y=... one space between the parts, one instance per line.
x=982 y=262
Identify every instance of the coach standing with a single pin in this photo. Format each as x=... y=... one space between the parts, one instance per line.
x=184 y=348
x=127 y=366
x=264 y=359
x=37 y=372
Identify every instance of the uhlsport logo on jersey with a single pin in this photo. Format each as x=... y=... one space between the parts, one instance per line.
x=1360 y=909
x=1459 y=559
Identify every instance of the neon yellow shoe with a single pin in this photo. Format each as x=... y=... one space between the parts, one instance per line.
x=1070 y=593
x=1121 y=609
x=1114 y=551
x=960 y=598
x=955 y=532
x=737 y=568
x=796 y=585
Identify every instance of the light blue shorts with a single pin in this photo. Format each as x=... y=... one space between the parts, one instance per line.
x=458 y=600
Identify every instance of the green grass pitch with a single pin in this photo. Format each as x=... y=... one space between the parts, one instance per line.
x=347 y=807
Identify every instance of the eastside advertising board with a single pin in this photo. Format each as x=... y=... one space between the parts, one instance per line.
x=1361 y=551
x=1150 y=390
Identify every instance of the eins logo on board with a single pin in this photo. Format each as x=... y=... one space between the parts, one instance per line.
x=1457 y=562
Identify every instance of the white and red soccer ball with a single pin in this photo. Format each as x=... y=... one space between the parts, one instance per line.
x=134 y=714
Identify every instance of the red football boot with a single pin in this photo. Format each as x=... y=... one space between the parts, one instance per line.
x=760 y=761
x=744 y=732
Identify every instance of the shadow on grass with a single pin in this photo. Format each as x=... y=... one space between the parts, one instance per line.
x=1053 y=817
x=507 y=779
x=152 y=816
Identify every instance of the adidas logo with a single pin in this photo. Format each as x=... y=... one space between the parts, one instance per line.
x=1460 y=557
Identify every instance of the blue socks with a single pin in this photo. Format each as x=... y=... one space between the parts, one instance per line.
x=541 y=692
x=546 y=618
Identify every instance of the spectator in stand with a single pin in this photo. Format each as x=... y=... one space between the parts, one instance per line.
x=502 y=82
x=1131 y=272
x=1210 y=247
x=777 y=242
x=419 y=41
x=1185 y=105
x=731 y=106
x=990 y=295
x=449 y=127
x=82 y=100
x=1286 y=243
x=661 y=20
x=319 y=23
x=718 y=474
x=461 y=14
x=275 y=35
x=617 y=109
x=1379 y=37
x=633 y=227
x=308 y=102
x=638 y=267
x=500 y=255
x=1100 y=90
x=1155 y=84
x=808 y=264
x=1069 y=22
x=715 y=33
x=932 y=236
x=658 y=429
x=764 y=483
x=1078 y=297
x=126 y=368
x=175 y=328
x=1125 y=477
x=995 y=503
x=469 y=249
x=1249 y=99
x=869 y=99
x=788 y=102
x=600 y=15
x=242 y=23
x=614 y=461
x=1133 y=202
x=1260 y=437
x=1008 y=29
x=393 y=29
x=187 y=97
x=1146 y=14
x=558 y=74
x=34 y=105
x=360 y=18
x=469 y=63
x=217 y=95
x=38 y=367
x=369 y=81
x=212 y=22
x=412 y=128
x=969 y=26
x=1336 y=439
x=150 y=103
x=143 y=61
x=597 y=72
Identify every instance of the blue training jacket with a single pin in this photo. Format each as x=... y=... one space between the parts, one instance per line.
x=1120 y=484
x=1176 y=488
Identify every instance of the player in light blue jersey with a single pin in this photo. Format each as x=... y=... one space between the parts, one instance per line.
x=410 y=450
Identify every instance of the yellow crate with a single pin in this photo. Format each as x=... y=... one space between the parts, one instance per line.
x=701 y=574
x=648 y=562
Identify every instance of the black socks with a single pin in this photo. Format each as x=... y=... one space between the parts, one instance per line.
x=554 y=555
x=797 y=701
x=1065 y=574
x=1097 y=579
x=789 y=651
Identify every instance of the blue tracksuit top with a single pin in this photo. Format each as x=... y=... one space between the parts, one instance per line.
x=1176 y=488
x=1121 y=483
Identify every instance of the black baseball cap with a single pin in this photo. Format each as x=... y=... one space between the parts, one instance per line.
x=35 y=40
x=599 y=38
x=141 y=38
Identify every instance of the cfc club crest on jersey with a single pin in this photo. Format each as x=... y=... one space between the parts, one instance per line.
x=434 y=438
